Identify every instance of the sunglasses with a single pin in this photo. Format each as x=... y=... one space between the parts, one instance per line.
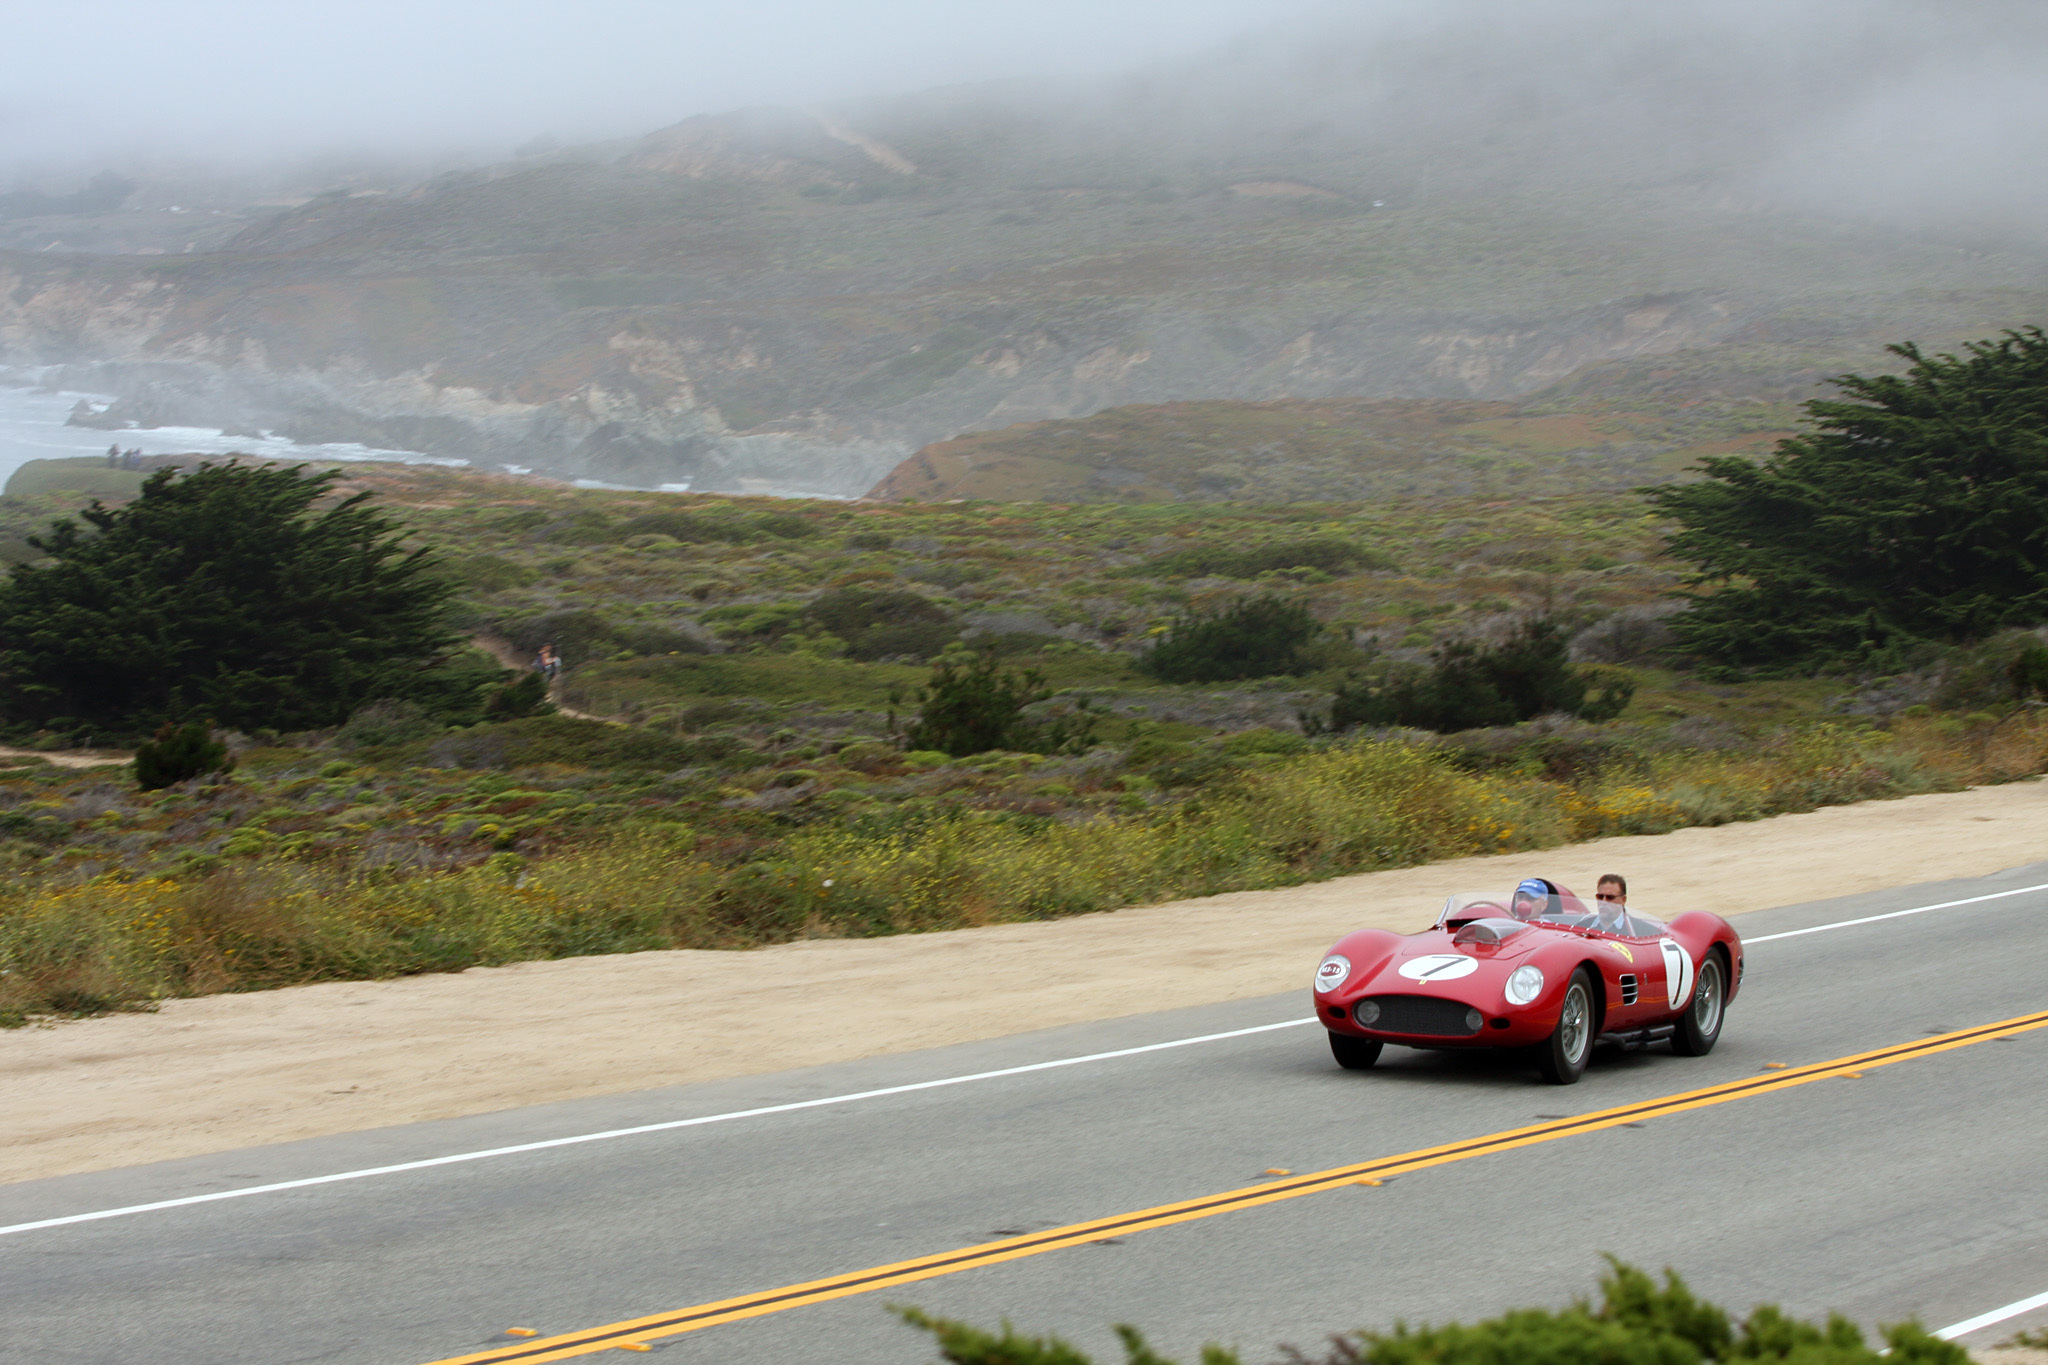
x=1605 y=896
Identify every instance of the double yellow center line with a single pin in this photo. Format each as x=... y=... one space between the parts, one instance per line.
x=635 y=1333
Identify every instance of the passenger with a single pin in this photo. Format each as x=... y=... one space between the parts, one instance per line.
x=1612 y=897
x=1534 y=899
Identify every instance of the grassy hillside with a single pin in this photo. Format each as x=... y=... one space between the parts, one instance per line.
x=746 y=780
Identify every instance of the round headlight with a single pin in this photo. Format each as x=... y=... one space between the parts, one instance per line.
x=1524 y=985
x=1367 y=1013
x=1474 y=1020
x=1334 y=972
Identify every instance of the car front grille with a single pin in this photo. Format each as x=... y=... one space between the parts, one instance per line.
x=1419 y=1014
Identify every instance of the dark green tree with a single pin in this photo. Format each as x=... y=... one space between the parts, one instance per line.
x=1916 y=509
x=1255 y=637
x=1468 y=685
x=229 y=593
x=179 y=753
x=972 y=705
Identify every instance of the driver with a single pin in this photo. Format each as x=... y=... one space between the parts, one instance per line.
x=1611 y=897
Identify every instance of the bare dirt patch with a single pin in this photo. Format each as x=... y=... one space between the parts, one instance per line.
x=230 y=1071
x=70 y=758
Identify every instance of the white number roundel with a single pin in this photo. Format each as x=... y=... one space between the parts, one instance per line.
x=1677 y=972
x=1439 y=967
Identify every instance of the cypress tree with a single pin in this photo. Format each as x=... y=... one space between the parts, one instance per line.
x=227 y=593
x=1915 y=509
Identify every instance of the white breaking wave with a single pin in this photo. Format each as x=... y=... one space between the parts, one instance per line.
x=32 y=428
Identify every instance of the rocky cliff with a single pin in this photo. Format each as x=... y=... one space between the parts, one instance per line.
x=796 y=301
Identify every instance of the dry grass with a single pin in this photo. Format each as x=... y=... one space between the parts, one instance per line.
x=117 y=942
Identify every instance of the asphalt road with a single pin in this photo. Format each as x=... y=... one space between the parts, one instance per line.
x=1920 y=1189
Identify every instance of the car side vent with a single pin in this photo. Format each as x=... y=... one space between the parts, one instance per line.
x=1628 y=988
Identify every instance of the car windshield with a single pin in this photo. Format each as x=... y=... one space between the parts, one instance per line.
x=1560 y=907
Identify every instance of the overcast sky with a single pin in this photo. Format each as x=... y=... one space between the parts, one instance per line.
x=88 y=81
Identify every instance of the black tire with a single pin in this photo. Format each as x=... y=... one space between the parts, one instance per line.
x=1699 y=1028
x=1355 y=1054
x=1563 y=1058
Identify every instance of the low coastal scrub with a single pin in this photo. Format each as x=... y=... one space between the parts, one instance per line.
x=307 y=868
x=1637 y=1322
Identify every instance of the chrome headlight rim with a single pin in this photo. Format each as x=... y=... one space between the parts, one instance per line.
x=1332 y=972
x=1524 y=984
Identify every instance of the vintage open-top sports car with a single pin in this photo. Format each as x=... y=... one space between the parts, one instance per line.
x=1539 y=969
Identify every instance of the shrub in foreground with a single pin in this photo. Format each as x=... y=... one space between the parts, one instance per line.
x=1637 y=1322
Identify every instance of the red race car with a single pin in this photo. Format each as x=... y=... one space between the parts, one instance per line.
x=1540 y=969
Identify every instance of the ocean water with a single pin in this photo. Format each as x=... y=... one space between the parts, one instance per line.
x=32 y=428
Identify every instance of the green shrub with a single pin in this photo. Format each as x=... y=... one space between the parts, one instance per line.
x=680 y=526
x=695 y=528
x=755 y=622
x=180 y=753
x=570 y=741
x=583 y=528
x=1468 y=686
x=2028 y=672
x=1256 y=637
x=973 y=705
x=1636 y=1323
x=580 y=635
x=783 y=525
x=882 y=624
x=519 y=697
x=389 y=721
x=1327 y=554
x=491 y=573
x=520 y=520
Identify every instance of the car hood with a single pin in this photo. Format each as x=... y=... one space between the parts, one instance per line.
x=1430 y=961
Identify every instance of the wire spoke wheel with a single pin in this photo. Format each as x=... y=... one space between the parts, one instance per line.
x=1563 y=1057
x=1699 y=1028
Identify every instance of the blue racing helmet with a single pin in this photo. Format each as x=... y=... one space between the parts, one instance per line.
x=1536 y=889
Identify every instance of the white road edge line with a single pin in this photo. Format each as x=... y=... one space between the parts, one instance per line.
x=664 y=1127
x=824 y=1101
x=1996 y=1315
x=1896 y=914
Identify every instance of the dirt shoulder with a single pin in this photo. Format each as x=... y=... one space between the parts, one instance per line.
x=241 y=1070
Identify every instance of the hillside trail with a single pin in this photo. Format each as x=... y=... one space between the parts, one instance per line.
x=501 y=649
x=70 y=758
